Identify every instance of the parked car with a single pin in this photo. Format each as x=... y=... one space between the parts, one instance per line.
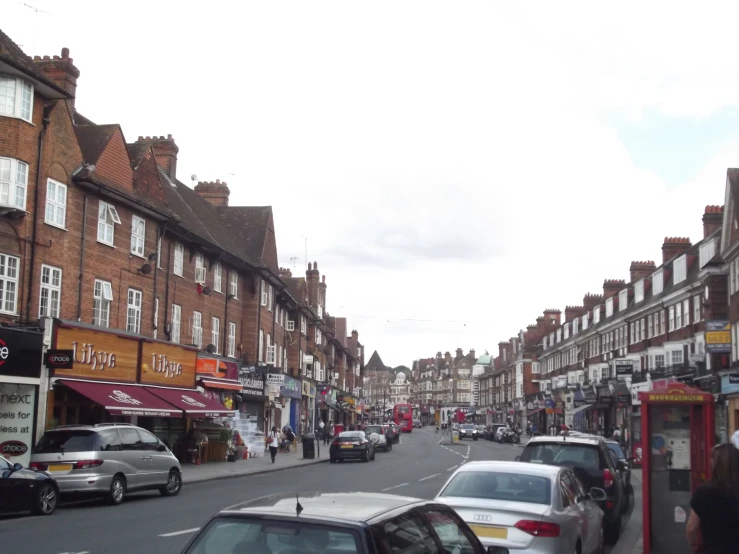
x=23 y=490
x=592 y=462
x=382 y=442
x=346 y=523
x=624 y=468
x=389 y=433
x=468 y=431
x=351 y=445
x=107 y=459
x=499 y=432
x=417 y=423
x=526 y=507
x=492 y=431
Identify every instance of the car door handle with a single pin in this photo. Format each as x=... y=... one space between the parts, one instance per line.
x=147 y=458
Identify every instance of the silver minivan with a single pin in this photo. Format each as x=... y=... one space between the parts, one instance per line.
x=107 y=459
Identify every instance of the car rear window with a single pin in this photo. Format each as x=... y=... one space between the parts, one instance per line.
x=491 y=485
x=54 y=442
x=234 y=534
x=351 y=436
x=616 y=449
x=570 y=454
x=374 y=429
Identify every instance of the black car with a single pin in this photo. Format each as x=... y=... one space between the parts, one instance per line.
x=595 y=466
x=417 y=423
x=23 y=490
x=623 y=466
x=351 y=445
x=396 y=432
x=345 y=523
x=468 y=431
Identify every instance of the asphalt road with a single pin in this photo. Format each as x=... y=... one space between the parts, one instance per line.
x=151 y=524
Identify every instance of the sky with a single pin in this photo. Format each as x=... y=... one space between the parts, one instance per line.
x=455 y=168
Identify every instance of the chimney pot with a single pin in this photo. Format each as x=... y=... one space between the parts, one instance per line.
x=62 y=71
x=713 y=220
x=673 y=247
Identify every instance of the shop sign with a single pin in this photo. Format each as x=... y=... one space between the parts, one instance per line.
x=711 y=384
x=549 y=403
x=168 y=364
x=681 y=397
x=17 y=406
x=275 y=379
x=591 y=400
x=623 y=398
x=252 y=386
x=624 y=367
x=98 y=355
x=59 y=359
x=730 y=383
x=718 y=336
x=291 y=388
x=220 y=369
x=530 y=406
x=312 y=393
x=20 y=353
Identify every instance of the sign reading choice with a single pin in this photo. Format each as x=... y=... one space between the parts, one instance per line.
x=17 y=404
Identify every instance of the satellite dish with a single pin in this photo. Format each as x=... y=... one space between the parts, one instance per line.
x=210 y=349
x=193 y=177
x=206 y=291
x=146 y=269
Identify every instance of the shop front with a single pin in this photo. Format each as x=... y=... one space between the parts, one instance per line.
x=291 y=391
x=20 y=384
x=307 y=408
x=253 y=397
x=275 y=409
x=730 y=404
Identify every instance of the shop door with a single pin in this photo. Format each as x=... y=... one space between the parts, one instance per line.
x=294 y=414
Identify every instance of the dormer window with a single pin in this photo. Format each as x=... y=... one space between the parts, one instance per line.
x=623 y=300
x=707 y=252
x=596 y=315
x=584 y=321
x=575 y=326
x=679 y=270
x=609 y=307
x=639 y=291
x=545 y=343
x=13 y=182
x=566 y=331
x=16 y=98
x=559 y=335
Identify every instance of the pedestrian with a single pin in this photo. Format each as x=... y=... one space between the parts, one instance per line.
x=713 y=525
x=273 y=440
x=331 y=432
x=735 y=438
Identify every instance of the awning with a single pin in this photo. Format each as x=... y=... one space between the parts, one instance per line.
x=221 y=384
x=192 y=402
x=532 y=412
x=579 y=409
x=123 y=400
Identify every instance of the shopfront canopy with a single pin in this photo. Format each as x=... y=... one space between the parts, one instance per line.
x=123 y=400
x=222 y=384
x=191 y=402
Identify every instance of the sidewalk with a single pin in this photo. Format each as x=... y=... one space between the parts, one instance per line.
x=252 y=466
x=631 y=535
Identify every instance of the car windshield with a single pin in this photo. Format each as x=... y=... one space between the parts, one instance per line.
x=54 y=442
x=492 y=485
x=466 y=427
x=571 y=454
x=616 y=449
x=235 y=534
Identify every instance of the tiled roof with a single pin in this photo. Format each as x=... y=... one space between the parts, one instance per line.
x=136 y=152
x=374 y=362
x=12 y=54
x=93 y=139
x=296 y=288
x=248 y=225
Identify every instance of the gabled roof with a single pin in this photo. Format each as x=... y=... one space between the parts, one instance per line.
x=93 y=139
x=375 y=362
x=248 y=225
x=12 y=55
x=485 y=359
x=296 y=288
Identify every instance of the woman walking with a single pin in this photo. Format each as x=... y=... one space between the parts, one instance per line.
x=274 y=443
x=713 y=525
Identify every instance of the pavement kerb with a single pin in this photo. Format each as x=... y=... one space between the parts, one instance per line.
x=186 y=481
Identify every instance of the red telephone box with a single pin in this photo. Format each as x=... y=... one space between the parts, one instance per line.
x=338 y=428
x=677 y=437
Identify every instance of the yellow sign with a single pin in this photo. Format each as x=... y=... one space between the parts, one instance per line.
x=718 y=337
x=676 y=398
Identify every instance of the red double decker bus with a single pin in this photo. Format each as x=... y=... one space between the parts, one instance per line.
x=403 y=417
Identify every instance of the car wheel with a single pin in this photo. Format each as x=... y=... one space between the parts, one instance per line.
x=612 y=531
x=625 y=502
x=46 y=499
x=174 y=484
x=117 y=490
x=366 y=457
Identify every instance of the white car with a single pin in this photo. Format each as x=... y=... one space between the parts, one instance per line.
x=526 y=508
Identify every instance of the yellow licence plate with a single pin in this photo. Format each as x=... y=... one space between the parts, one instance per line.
x=347 y=446
x=490 y=532
x=60 y=467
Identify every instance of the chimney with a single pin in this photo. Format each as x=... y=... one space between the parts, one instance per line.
x=713 y=219
x=590 y=301
x=448 y=358
x=285 y=272
x=541 y=324
x=553 y=317
x=640 y=270
x=214 y=192
x=62 y=71
x=673 y=247
x=472 y=354
x=438 y=354
x=459 y=354
x=611 y=287
x=355 y=334
x=571 y=312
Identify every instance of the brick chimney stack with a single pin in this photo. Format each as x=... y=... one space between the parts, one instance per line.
x=165 y=153
x=285 y=272
x=571 y=312
x=62 y=71
x=611 y=287
x=553 y=318
x=312 y=279
x=713 y=219
x=673 y=247
x=640 y=270
x=214 y=192
x=590 y=301
x=472 y=354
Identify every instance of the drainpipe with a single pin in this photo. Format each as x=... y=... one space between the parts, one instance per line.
x=82 y=259
x=224 y=331
x=160 y=238
x=167 y=312
x=39 y=152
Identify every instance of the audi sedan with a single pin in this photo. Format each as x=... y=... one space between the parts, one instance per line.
x=526 y=508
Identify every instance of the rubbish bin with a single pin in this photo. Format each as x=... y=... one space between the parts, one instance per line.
x=309 y=447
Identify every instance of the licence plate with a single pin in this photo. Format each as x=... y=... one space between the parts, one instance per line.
x=490 y=532
x=347 y=446
x=60 y=467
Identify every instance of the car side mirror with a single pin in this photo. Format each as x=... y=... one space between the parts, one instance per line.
x=623 y=465
x=518 y=459
x=161 y=448
x=17 y=467
x=599 y=495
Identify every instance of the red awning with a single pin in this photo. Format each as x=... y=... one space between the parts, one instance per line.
x=126 y=400
x=222 y=384
x=192 y=402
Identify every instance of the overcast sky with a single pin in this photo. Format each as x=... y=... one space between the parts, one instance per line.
x=457 y=167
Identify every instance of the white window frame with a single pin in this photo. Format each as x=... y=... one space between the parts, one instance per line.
x=678 y=315
x=215 y=333
x=159 y=252
x=102 y=294
x=55 y=213
x=179 y=259
x=609 y=306
x=290 y=325
x=270 y=296
x=175 y=334
x=639 y=291
x=662 y=322
x=200 y=269
x=50 y=297
x=263 y=301
x=303 y=325
x=22 y=107
x=196 y=329
x=697 y=309
x=677 y=356
x=643 y=330
x=260 y=359
x=231 y=343
x=13 y=183
x=138 y=236
x=575 y=326
x=319 y=336
x=155 y=331
x=107 y=220
x=658 y=282
x=218 y=277
x=270 y=354
x=233 y=284
x=671 y=324
x=596 y=315
x=680 y=269
x=623 y=300
x=133 y=310
x=686 y=312
x=707 y=252
x=585 y=322
x=650 y=326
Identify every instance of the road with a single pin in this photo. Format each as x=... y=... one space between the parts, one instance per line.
x=151 y=524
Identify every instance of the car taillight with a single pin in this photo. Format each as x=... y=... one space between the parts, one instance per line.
x=538 y=528
x=607 y=478
x=38 y=466
x=87 y=464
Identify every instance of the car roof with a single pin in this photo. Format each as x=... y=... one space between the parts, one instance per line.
x=589 y=440
x=345 y=507
x=520 y=468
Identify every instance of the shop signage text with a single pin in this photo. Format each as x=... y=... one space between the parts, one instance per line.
x=275 y=379
x=730 y=383
x=59 y=359
x=99 y=355
x=624 y=368
x=677 y=398
x=168 y=364
x=291 y=388
x=718 y=336
x=252 y=386
x=20 y=353
x=17 y=406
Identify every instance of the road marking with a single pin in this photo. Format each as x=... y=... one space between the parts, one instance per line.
x=185 y=532
x=395 y=487
x=452 y=468
x=83 y=552
x=430 y=476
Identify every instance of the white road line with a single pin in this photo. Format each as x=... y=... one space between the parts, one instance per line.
x=452 y=468
x=185 y=532
x=430 y=477
x=395 y=487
